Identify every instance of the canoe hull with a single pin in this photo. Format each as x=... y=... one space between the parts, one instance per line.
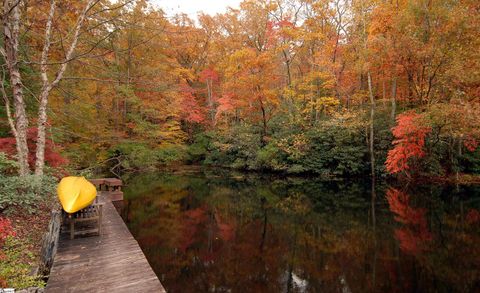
x=75 y=193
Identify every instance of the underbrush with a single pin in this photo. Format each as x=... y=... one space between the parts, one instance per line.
x=131 y=156
x=17 y=262
x=26 y=192
x=25 y=205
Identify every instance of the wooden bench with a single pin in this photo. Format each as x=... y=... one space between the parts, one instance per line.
x=92 y=213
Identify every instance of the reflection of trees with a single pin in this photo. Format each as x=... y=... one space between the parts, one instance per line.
x=414 y=236
x=448 y=262
x=247 y=234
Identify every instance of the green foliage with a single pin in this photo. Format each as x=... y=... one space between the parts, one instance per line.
x=471 y=161
x=7 y=166
x=136 y=156
x=25 y=192
x=198 y=150
x=271 y=157
x=84 y=155
x=331 y=148
x=15 y=265
x=133 y=155
x=236 y=148
x=168 y=154
x=336 y=150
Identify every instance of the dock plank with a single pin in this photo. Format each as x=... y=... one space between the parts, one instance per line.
x=112 y=262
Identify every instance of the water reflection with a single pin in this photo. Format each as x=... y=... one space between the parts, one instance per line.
x=226 y=232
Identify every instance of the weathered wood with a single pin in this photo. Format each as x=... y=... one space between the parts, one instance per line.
x=50 y=242
x=107 y=184
x=92 y=213
x=113 y=184
x=97 y=182
x=111 y=195
x=112 y=262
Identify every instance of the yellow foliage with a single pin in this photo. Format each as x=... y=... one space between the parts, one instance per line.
x=326 y=105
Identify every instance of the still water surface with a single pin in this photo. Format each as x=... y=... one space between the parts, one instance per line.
x=219 y=231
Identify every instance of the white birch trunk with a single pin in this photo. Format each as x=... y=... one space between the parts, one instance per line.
x=11 y=28
x=48 y=86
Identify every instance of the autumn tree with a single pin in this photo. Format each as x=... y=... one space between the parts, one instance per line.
x=12 y=24
x=250 y=75
x=410 y=134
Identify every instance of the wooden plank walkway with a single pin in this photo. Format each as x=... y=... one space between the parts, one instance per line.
x=112 y=262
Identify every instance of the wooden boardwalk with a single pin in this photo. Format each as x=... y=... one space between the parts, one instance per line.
x=112 y=262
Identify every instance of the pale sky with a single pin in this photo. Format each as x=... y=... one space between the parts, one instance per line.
x=192 y=7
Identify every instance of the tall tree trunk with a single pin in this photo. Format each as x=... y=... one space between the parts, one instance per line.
x=11 y=28
x=393 y=98
x=374 y=226
x=384 y=94
x=372 y=101
x=129 y=66
x=264 y=122
x=47 y=86
x=211 y=108
x=372 y=117
x=290 y=100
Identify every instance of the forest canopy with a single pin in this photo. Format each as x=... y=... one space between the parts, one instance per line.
x=334 y=87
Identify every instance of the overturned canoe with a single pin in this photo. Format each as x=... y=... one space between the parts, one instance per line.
x=75 y=193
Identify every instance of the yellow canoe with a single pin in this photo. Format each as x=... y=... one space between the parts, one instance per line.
x=75 y=193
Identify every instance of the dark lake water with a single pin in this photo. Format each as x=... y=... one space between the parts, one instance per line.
x=219 y=231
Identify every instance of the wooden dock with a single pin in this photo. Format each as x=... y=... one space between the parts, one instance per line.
x=112 y=262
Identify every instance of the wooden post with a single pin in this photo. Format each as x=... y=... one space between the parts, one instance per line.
x=100 y=216
x=72 y=226
x=50 y=243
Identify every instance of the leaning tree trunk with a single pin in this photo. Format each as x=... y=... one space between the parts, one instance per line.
x=11 y=28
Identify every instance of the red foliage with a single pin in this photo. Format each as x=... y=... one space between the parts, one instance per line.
x=6 y=230
x=200 y=223
x=194 y=218
x=415 y=234
x=470 y=143
x=52 y=158
x=270 y=34
x=209 y=74
x=226 y=230
x=399 y=204
x=225 y=105
x=409 y=142
x=275 y=31
x=191 y=109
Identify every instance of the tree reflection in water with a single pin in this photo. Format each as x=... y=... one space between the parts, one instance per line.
x=209 y=231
